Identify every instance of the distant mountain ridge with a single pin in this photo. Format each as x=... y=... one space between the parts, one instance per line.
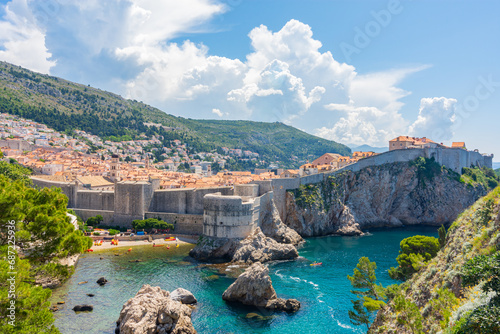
x=65 y=106
x=367 y=148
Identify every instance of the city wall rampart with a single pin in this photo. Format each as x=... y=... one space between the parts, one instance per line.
x=96 y=200
x=453 y=158
x=184 y=224
x=226 y=211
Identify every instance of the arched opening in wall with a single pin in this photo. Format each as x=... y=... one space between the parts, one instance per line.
x=433 y=156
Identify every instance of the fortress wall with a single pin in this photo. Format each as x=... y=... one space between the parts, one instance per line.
x=172 y=200
x=130 y=201
x=183 y=201
x=194 y=198
x=68 y=189
x=96 y=200
x=264 y=186
x=87 y=213
x=184 y=224
x=227 y=216
x=454 y=159
x=279 y=188
x=248 y=190
x=477 y=159
x=17 y=145
x=488 y=160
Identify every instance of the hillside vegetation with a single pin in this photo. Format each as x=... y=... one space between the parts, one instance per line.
x=35 y=233
x=65 y=106
x=458 y=291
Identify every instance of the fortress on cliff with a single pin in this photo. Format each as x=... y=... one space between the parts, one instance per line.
x=226 y=212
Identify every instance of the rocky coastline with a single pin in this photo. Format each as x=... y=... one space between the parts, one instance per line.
x=391 y=195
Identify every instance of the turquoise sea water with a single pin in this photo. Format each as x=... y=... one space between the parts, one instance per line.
x=323 y=290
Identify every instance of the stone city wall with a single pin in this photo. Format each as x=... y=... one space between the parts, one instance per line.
x=96 y=200
x=108 y=216
x=184 y=224
x=185 y=201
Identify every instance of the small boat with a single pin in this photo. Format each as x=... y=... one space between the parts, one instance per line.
x=158 y=245
x=316 y=263
x=90 y=250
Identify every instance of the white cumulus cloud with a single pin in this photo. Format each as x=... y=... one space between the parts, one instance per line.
x=217 y=112
x=23 y=42
x=127 y=47
x=435 y=119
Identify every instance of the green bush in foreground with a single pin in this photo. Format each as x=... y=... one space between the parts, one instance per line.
x=415 y=252
x=31 y=305
x=150 y=224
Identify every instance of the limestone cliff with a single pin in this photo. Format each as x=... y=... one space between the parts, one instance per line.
x=427 y=303
x=273 y=227
x=388 y=195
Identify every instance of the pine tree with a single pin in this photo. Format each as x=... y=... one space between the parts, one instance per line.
x=369 y=295
x=442 y=236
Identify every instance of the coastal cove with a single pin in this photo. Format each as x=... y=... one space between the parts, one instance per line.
x=323 y=290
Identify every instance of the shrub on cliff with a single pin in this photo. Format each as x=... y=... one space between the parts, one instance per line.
x=426 y=169
x=415 y=252
x=480 y=176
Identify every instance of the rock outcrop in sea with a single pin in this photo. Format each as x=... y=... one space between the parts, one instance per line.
x=254 y=287
x=152 y=310
x=256 y=247
x=389 y=195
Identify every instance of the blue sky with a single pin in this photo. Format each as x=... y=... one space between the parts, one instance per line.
x=352 y=71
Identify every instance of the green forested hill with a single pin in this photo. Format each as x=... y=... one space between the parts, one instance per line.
x=65 y=106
